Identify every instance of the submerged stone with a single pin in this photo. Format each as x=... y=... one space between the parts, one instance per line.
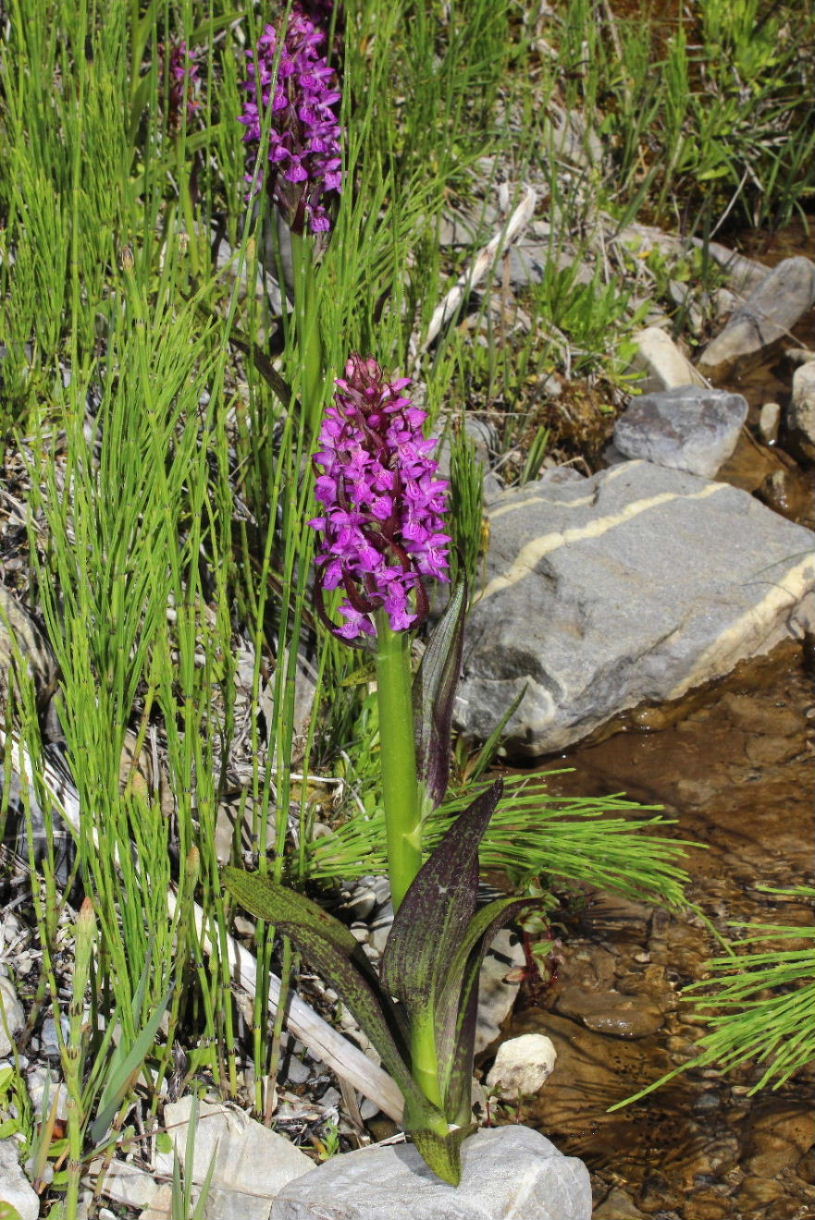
x=768 y=314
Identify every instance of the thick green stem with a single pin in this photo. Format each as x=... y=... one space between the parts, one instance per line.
x=400 y=788
x=403 y=820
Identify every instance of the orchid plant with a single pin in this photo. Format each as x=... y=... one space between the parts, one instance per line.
x=294 y=144
x=382 y=537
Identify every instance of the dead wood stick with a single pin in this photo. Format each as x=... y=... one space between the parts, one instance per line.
x=484 y=260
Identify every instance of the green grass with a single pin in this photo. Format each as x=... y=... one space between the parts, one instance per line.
x=169 y=552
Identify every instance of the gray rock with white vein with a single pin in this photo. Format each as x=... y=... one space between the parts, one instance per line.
x=632 y=586
x=506 y=1172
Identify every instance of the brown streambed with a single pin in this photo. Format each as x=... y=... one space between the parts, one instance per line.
x=733 y=765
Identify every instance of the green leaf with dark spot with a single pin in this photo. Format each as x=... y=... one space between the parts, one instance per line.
x=457 y=1011
x=268 y=899
x=334 y=953
x=434 y=692
x=436 y=911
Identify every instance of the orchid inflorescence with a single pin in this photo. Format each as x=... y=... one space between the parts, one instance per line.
x=183 y=77
x=297 y=82
x=382 y=529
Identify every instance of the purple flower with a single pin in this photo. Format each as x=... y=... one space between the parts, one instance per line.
x=382 y=527
x=305 y=161
x=182 y=69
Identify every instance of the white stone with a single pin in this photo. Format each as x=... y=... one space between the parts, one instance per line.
x=125 y=1183
x=12 y=1015
x=522 y=1066
x=15 y=1189
x=664 y=365
x=508 y=1173
x=769 y=421
x=252 y=1163
x=44 y=1086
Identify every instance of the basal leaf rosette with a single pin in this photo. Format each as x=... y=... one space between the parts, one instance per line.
x=382 y=527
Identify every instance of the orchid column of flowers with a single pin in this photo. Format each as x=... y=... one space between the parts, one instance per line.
x=293 y=90
x=382 y=535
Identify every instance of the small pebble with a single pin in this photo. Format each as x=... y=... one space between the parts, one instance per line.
x=769 y=421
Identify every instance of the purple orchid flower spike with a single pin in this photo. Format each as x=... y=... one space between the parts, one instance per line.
x=184 y=81
x=382 y=529
x=295 y=81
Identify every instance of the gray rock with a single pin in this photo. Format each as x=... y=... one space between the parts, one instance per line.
x=506 y=1172
x=47 y=1091
x=12 y=1015
x=252 y=1163
x=662 y=363
x=801 y=412
x=767 y=315
x=743 y=274
x=570 y=138
x=15 y=1188
x=632 y=586
x=687 y=428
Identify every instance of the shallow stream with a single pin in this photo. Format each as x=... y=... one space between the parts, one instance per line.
x=735 y=769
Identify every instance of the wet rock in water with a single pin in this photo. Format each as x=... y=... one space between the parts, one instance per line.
x=633 y=586
x=789 y=493
x=506 y=1171
x=767 y=315
x=686 y=428
x=663 y=364
x=15 y=1189
x=621 y=1016
x=801 y=411
x=617 y=1205
x=769 y=421
x=592 y=1072
x=781 y=1134
x=522 y=1066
